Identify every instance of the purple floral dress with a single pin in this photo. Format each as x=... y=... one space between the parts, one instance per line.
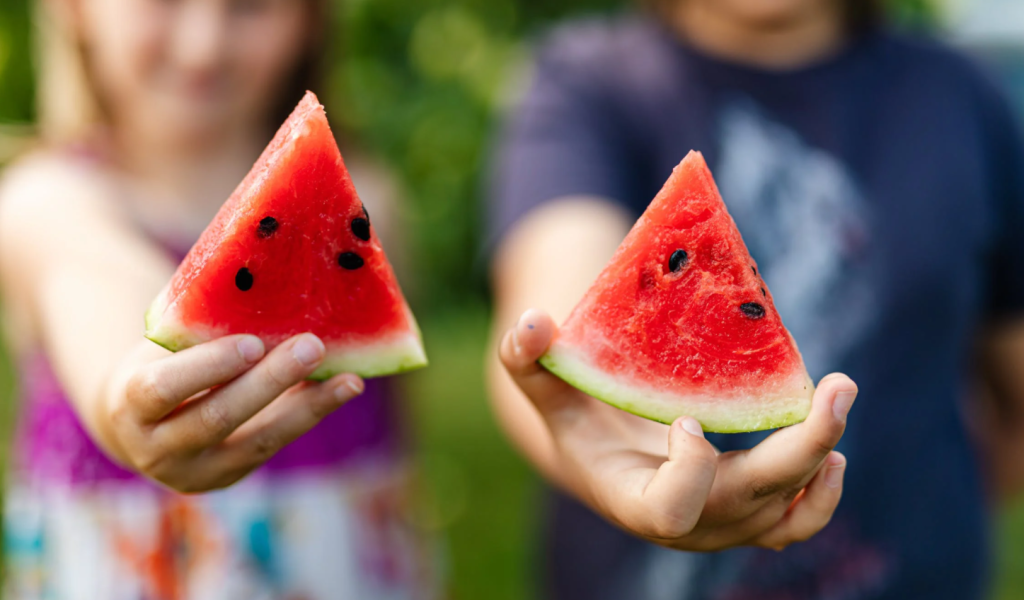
x=321 y=520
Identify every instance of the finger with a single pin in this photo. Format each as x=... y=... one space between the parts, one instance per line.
x=161 y=386
x=812 y=511
x=673 y=501
x=297 y=411
x=788 y=458
x=520 y=349
x=210 y=419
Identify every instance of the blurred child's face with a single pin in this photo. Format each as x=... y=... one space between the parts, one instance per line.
x=191 y=71
x=767 y=13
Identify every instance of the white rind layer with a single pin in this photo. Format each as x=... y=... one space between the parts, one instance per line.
x=373 y=358
x=396 y=355
x=745 y=411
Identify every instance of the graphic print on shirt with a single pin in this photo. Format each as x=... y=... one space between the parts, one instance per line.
x=833 y=565
x=805 y=222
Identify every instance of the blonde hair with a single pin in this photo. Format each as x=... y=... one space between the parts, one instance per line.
x=67 y=108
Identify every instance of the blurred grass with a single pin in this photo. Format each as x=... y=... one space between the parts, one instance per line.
x=1009 y=549
x=478 y=494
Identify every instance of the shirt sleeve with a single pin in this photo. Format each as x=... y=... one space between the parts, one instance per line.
x=564 y=138
x=1007 y=168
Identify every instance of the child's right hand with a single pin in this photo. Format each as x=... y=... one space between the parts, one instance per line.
x=668 y=484
x=203 y=418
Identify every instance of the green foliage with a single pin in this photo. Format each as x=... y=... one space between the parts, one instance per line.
x=915 y=14
x=16 y=81
x=421 y=84
x=477 y=494
x=16 y=77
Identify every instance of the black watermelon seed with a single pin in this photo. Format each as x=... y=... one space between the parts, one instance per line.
x=361 y=229
x=268 y=225
x=675 y=262
x=754 y=269
x=350 y=261
x=764 y=293
x=365 y=214
x=243 y=279
x=752 y=310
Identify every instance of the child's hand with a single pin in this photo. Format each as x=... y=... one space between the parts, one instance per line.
x=155 y=421
x=668 y=484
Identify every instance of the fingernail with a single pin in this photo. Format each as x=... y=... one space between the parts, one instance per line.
x=515 y=336
x=692 y=427
x=349 y=389
x=308 y=350
x=834 y=475
x=841 y=405
x=250 y=348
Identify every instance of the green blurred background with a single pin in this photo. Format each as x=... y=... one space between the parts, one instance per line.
x=421 y=85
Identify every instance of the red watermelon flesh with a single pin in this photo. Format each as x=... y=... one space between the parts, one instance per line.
x=291 y=251
x=681 y=323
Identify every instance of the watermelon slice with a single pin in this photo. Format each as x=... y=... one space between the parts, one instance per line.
x=292 y=250
x=681 y=323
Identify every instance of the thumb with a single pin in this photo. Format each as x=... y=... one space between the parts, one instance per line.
x=674 y=498
x=522 y=345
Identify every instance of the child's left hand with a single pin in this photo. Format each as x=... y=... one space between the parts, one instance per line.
x=668 y=484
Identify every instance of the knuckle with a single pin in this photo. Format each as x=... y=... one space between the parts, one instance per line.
x=280 y=374
x=120 y=414
x=822 y=446
x=787 y=495
x=224 y=360
x=219 y=355
x=763 y=488
x=704 y=460
x=321 y=405
x=214 y=418
x=149 y=388
x=264 y=445
x=153 y=464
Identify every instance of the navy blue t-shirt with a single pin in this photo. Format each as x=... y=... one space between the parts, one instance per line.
x=880 y=192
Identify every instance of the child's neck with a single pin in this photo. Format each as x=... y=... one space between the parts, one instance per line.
x=790 y=43
x=183 y=187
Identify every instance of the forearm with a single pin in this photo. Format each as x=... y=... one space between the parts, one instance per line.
x=998 y=418
x=94 y=366
x=1003 y=367
x=547 y=261
x=518 y=418
x=81 y=298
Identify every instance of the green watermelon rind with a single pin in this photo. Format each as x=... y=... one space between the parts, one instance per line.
x=715 y=417
x=401 y=353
